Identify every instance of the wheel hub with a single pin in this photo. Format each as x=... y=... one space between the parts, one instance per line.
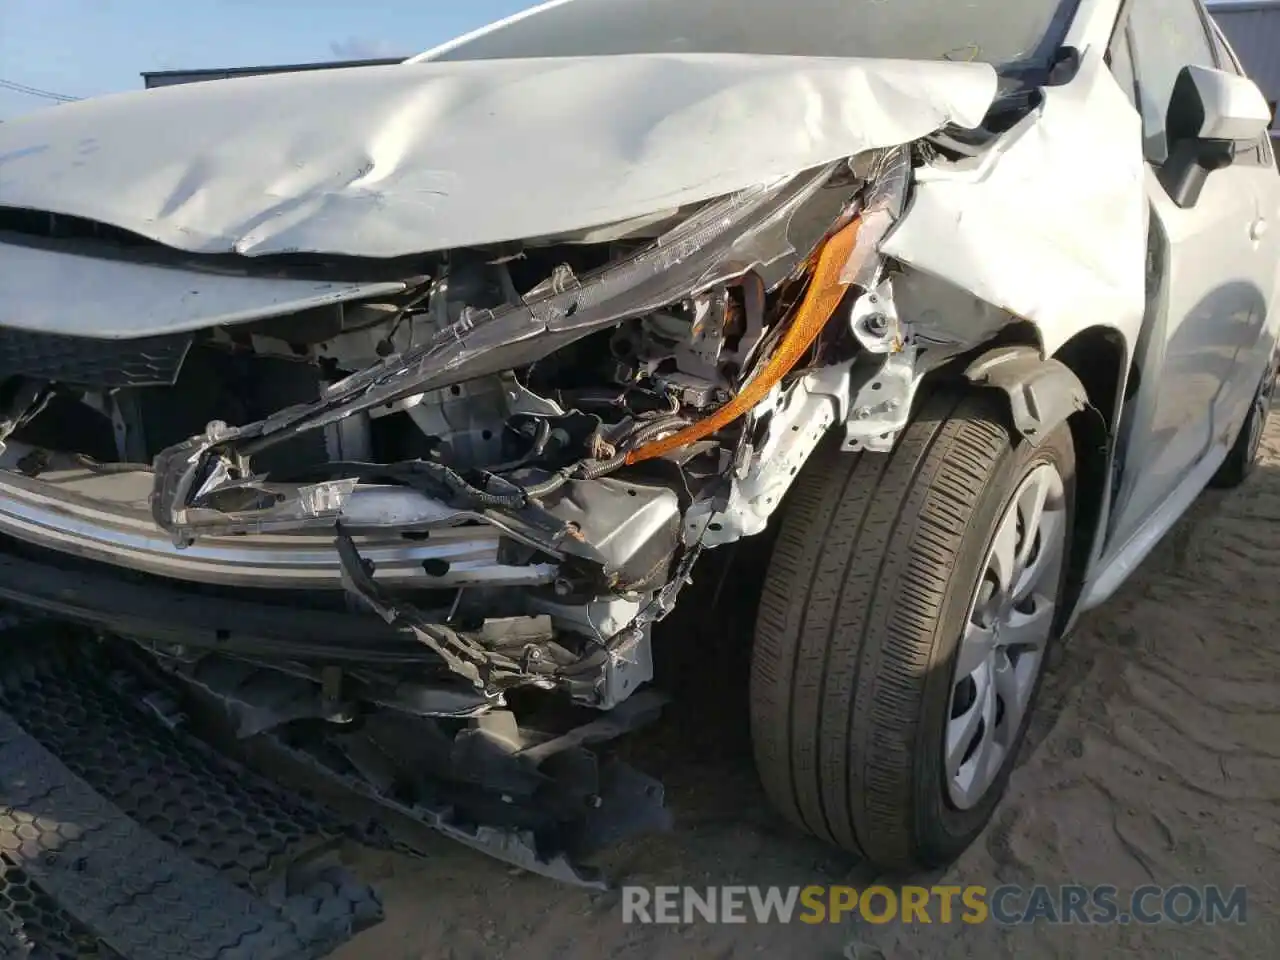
x=1010 y=621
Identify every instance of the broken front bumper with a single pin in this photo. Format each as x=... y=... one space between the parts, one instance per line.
x=538 y=800
x=561 y=600
x=401 y=531
x=410 y=539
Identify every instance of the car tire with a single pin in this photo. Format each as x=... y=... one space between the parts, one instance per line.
x=878 y=586
x=1243 y=456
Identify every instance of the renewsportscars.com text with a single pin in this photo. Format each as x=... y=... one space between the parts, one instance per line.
x=1006 y=905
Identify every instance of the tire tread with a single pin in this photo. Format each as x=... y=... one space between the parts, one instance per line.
x=847 y=619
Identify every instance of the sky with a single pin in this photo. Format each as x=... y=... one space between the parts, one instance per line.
x=84 y=48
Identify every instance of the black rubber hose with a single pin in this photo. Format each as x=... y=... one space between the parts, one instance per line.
x=539 y=445
x=594 y=469
x=458 y=484
x=647 y=431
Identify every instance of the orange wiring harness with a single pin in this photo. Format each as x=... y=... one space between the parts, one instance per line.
x=825 y=292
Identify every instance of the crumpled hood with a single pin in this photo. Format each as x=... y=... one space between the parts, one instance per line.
x=410 y=158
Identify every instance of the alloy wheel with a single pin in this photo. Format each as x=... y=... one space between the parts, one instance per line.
x=1006 y=635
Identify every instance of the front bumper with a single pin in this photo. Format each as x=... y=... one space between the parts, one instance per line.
x=411 y=539
x=272 y=624
x=540 y=803
x=408 y=538
x=568 y=611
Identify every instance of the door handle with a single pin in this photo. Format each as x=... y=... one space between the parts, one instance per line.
x=1258 y=229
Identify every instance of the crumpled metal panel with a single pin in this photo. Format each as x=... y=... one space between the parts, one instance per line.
x=1050 y=225
x=66 y=293
x=403 y=159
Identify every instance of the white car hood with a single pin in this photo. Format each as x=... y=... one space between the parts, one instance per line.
x=410 y=158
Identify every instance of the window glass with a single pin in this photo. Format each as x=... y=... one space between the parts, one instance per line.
x=1226 y=59
x=1167 y=36
x=1006 y=33
x=1122 y=67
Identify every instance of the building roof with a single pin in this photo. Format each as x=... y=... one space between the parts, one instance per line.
x=162 y=78
x=1253 y=29
x=1240 y=6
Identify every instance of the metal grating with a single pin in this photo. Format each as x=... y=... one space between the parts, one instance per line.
x=122 y=838
x=86 y=361
x=34 y=927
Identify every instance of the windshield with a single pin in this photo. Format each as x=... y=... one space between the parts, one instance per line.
x=1003 y=33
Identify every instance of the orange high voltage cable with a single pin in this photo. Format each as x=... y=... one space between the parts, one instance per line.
x=825 y=292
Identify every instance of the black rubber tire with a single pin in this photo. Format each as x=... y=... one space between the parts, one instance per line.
x=876 y=562
x=1243 y=456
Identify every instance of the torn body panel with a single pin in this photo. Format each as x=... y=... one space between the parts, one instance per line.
x=1020 y=220
x=1012 y=253
x=58 y=292
x=352 y=161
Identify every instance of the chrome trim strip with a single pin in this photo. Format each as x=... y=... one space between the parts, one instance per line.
x=121 y=532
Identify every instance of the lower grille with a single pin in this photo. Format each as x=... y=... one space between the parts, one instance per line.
x=122 y=838
x=86 y=361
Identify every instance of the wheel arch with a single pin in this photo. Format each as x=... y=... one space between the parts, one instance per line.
x=1084 y=383
x=1099 y=357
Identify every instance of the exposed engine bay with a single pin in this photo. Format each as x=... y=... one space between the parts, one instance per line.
x=601 y=410
x=513 y=456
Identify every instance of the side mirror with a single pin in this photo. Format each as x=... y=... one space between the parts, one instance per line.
x=1210 y=112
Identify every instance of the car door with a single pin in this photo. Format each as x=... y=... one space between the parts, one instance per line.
x=1203 y=299
x=1257 y=163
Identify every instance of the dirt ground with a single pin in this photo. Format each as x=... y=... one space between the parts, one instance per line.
x=1154 y=758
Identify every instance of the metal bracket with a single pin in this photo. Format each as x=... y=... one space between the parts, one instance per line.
x=1042 y=392
x=881 y=404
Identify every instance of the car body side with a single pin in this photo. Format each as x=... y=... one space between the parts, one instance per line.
x=1135 y=337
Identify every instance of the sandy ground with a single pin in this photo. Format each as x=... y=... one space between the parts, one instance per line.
x=1154 y=758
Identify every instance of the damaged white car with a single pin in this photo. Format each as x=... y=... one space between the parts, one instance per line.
x=390 y=407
